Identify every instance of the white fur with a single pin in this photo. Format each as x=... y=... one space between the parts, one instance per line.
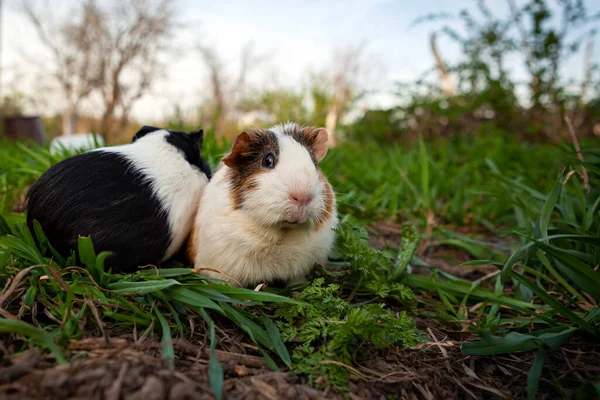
x=254 y=244
x=177 y=184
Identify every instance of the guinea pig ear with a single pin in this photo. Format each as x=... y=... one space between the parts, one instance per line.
x=318 y=139
x=144 y=130
x=240 y=147
x=197 y=136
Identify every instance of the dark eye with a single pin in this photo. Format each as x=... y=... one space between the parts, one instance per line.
x=269 y=161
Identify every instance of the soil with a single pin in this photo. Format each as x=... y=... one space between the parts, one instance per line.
x=124 y=365
x=434 y=370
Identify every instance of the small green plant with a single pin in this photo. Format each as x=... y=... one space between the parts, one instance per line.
x=329 y=329
x=341 y=311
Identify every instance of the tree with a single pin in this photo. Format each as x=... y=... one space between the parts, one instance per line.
x=75 y=49
x=226 y=89
x=543 y=35
x=132 y=43
x=447 y=85
x=347 y=67
x=112 y=52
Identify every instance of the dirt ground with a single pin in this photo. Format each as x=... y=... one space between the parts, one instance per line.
x=434 y=370
x=125 y=365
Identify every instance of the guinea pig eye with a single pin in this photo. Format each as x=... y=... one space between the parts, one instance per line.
x=269 y=161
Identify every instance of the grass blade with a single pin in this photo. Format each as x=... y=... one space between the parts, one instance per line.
x=577 y=270
x=215 y=369
x=4 y=228
x=191 y=298
x=143 y=287
x=410 y=240
x=275 y=336
x=247 y=294
x=424 y=166
x=535 y=373
x=548 y=207
x=462 y=287
x=36 y=334
x=166 y=343
x=555 y=304
x=166 y=272
x=517 y=342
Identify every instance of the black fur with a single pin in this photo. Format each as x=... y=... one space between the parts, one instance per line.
x=143 y=131
x=103 y=195
x=190 y=145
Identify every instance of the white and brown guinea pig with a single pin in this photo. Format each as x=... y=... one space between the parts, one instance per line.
x=268 y=214
x=137 y=200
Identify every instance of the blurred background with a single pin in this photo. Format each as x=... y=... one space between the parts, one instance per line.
x=376 y=70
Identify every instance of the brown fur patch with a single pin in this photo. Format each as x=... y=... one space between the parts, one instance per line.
x=327 y=214
x=245 y=161
x=307 y=137
x=191 y=246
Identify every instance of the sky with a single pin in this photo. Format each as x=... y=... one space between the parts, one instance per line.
x=298 y=36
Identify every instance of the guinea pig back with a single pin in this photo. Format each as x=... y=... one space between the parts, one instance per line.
x=136 y=200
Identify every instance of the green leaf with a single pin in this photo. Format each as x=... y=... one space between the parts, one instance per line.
x=275 y=336
x=586 y=391
x=166 y=343
x=209 y=292
x=410 y=240
x=579 y=272
x=516 y=342
x=463 y=287
x=424 y=167
x=589 y=216
x=173 y=313
x=42 y=239
x=87 y=254
x=247 y=294
x=21 y=249
x=270 y=363
x=555 y=304
x=534 y=375
x=548 y=207
x=4 y=228
x=35 y=334
x=215 y=369
x=142 y=287
x=166 y=272
x=191 y=298
x=519 y=254
x=256 y=333
x=30 y=295
x=507 y=345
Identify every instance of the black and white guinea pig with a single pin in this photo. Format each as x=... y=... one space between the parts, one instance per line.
x=269 y=213
x=136 y=200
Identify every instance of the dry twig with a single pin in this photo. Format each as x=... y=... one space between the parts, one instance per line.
x=571 y=130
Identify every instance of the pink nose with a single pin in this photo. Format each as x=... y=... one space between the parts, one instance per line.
x=300 y=199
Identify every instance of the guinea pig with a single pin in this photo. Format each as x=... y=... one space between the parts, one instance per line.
x=269 y=213
x=136 y=200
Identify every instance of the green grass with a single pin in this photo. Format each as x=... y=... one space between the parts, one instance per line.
x=549 y=281
x=444 y=194
x=451 y=179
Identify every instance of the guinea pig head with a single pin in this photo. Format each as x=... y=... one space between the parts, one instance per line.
x=274 y=175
